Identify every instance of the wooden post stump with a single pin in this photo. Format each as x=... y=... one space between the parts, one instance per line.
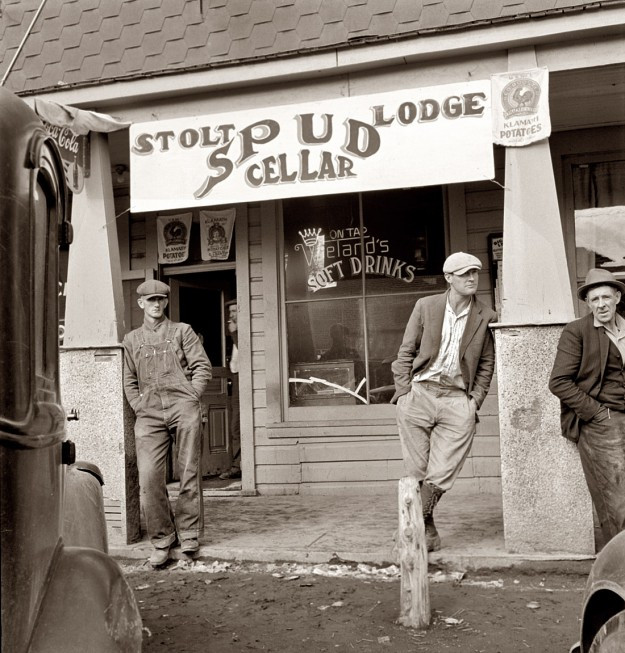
x=413 y=557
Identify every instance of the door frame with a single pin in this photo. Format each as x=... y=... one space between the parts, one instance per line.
x=242 y=272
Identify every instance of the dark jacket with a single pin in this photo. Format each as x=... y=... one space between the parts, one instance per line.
x=422 y=341
x=577 y=373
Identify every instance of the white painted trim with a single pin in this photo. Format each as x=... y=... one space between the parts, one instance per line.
x=607 y=23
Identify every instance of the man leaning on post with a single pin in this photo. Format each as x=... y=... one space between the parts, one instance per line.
x=442 y=373
x=166 y=370
x=589 y=379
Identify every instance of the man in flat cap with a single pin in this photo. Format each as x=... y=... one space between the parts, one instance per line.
x=589 y=379
x=442 y=373
x=166 y=370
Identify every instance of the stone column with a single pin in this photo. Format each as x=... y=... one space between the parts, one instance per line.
x=546 y=505
x=91 y=357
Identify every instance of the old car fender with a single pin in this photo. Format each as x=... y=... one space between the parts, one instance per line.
x=605 y=591
x=88 y=606
x=84 y=520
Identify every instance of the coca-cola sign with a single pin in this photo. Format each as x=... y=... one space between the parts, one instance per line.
x=75 y=151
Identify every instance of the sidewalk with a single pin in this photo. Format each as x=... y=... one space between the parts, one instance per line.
x=317 y=529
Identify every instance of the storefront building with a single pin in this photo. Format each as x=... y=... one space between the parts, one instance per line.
x=337 y=230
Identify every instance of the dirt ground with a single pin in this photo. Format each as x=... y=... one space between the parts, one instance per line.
x=219 y=607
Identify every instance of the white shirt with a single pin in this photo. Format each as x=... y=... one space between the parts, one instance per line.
x=617 y=336
x=445 y=369
x=234 y=360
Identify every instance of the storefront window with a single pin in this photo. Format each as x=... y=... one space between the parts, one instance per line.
x=354 y=266
x=599 y=192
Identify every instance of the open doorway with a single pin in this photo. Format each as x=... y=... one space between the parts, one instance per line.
x=200 y=299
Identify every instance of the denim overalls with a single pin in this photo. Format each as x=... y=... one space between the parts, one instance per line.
x=168 y=406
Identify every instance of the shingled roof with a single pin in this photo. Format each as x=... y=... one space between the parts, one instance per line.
x=47 y=44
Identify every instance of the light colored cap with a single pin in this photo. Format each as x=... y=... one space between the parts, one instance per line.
x=460 y=262
x=599 y=277
x=153 y=288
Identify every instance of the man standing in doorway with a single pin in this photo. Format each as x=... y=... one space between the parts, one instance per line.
x=235 y=415
x=442 y=373
x=589 y=379
x=166 y=370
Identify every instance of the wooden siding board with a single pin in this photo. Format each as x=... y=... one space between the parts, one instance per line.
x=281 y=455
x=485 y=200
x=371 y=488
x=258 y=361
x=487 y=466
x=260 y=421
x=489 y=485
x=488 y=426
x=259 y=398
x=331 y=430
x=256 y=270
x=256 y=252
x=342 y=451
x=258 y=380
x=486 y=447
x=258 y=344
x=276 y=474
x=278 y=490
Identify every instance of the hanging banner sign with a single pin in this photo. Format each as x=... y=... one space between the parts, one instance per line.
x=216 y=234
x=521 y=107
x=75 y=154
x=173 y=237
x=407 y=138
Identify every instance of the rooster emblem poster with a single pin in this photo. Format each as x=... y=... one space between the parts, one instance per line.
x=521 y=107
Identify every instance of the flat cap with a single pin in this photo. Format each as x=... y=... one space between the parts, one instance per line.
x=153 y=288
x=460 y=262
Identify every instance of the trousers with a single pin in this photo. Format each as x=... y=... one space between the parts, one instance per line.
x=601 y=448
x=436 y=428
x=169 y=409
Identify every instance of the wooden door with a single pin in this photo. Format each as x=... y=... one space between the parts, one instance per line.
x=201 y=305
x=217 y=445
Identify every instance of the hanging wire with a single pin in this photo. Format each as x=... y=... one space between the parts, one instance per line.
x=23 y=42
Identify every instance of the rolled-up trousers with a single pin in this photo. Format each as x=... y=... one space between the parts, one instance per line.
x=436 y=427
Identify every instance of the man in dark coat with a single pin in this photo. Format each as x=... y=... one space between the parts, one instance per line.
x=589 y=379
x=442 y=373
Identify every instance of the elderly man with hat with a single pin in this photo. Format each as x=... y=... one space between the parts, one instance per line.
x=166 y=370
x=442 y=373
x=589 y=379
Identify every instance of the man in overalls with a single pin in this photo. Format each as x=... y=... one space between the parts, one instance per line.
x=166 y=370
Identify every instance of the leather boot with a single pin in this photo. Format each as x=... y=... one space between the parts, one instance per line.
x=430 y=495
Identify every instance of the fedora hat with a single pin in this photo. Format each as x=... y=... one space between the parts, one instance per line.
x=599 y=277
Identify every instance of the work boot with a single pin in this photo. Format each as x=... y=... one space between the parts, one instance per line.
x=159 y=557
x=432 y=538
x=430 y=496
x=190 y=545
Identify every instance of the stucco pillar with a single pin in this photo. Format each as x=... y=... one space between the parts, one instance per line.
x=546 y=506
x=91 y=357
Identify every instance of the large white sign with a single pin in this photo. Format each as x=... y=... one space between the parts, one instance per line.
x=413 y=137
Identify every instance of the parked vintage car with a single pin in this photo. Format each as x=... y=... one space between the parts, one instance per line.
x=60 y=591
x=603 y=612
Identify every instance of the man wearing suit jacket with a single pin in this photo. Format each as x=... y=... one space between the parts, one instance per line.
x=442 y=373
x=589 y=379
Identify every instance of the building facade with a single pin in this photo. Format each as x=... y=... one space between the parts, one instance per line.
x=326 y=279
